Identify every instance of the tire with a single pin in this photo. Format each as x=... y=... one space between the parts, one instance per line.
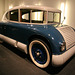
x=39 y=53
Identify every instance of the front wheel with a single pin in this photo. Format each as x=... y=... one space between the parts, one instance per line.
x=39 y=53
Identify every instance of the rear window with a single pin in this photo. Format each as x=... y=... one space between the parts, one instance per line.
x=14 y=15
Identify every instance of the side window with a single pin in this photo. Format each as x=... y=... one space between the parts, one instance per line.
x=25 y=15
x=53 y=17
x=37 y=16
x=56 y=17
x=14 y=15
x=32 y=16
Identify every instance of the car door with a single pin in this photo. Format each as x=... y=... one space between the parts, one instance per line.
x=3 y=28
x=10 y=27
x=16 y=30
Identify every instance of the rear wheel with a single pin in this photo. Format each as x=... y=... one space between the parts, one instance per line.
x=39 y=53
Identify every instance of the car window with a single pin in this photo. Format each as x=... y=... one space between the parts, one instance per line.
x=32 y=16
x=50 y=17
x=25 y=15
x=56 y=17
x=53 y=17
x=14 y=15
x=38 y=16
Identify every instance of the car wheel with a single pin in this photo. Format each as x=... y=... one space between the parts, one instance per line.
x=39 y=53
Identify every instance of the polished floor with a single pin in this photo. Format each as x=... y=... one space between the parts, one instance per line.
x=15 y=62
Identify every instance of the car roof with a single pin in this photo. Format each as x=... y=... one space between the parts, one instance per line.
x=36 y=7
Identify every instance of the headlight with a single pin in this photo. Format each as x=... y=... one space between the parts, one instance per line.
x=63 y=46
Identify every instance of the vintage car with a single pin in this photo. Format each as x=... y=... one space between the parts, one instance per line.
x=37 y=31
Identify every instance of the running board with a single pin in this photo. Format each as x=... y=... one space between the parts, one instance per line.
x=14 y=43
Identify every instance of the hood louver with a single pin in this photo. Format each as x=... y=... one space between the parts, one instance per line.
x=68 y=34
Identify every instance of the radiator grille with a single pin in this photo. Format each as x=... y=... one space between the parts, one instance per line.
x=69 y=35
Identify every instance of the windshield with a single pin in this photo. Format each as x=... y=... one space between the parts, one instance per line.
x=53 y=17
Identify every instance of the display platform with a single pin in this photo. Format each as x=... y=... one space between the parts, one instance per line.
x=15 y=62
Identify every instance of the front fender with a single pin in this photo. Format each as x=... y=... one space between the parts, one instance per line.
x=53 y=36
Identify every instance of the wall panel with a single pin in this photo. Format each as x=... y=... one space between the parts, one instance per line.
x=2 y=8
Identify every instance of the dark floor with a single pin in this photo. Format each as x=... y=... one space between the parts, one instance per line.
x=15 y=62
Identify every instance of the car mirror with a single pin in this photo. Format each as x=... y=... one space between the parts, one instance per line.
x=63 y=20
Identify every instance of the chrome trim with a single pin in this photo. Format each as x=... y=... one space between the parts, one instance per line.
x=58 y=60
x=14 y=43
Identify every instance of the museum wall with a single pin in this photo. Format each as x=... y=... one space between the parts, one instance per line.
x=52 y=3
x=66 y=6
x=70 y=13
x=2 y=8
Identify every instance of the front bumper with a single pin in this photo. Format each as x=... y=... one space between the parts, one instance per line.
x=58 y=60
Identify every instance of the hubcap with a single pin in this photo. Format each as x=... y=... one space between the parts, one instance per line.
x=39 y=53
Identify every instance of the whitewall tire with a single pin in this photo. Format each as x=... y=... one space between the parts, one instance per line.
x=39 y=53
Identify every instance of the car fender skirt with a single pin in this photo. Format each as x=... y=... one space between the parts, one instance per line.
x=58 y=60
